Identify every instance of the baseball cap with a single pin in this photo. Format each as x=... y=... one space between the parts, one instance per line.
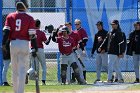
x=99 y=23
x=137 y=22
x=21 y=5
x=115 y=22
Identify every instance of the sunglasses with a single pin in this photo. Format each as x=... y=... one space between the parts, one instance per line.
x=77 y=24
x=113 y=24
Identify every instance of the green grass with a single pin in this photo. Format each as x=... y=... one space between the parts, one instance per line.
x=134 y=87
x=53 y=85
x=52 y=75
x=47 y=88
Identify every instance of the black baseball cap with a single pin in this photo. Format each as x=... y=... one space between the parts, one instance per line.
x=99 y=23
x=137 y=22
x=21 y=5
x=115 y=22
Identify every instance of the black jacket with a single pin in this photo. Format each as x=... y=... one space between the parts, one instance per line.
x=116 y=42
x=133 y=44
x=97 y=43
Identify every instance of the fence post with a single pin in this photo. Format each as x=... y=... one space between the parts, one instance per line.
x=58 y=67
x=68 y=10
x=1 y=58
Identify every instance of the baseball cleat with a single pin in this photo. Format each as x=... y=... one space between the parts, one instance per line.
x=5 y=84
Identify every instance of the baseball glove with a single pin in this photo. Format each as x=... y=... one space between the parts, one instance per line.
x=50 y=28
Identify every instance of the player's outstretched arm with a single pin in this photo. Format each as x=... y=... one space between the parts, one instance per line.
x=55 y=35
x=48 y=41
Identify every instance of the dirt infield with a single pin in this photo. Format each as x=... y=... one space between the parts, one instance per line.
x=116 y=88
x=122 y=91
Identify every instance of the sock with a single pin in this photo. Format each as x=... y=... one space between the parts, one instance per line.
x=84 y=74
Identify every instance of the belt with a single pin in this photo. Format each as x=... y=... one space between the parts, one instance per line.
x=13 y=39
x=19 y=39
x=66 y=54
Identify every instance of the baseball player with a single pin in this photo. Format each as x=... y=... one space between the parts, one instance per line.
x=6 y=62
x=66 y=46
x=40 y=57
x=116 y=49
x=101 y=57
x=83 y=40
x=19 y=29
x=76 y=40
x=133 y=49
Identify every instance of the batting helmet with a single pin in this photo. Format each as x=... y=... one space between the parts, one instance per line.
x=50 y=28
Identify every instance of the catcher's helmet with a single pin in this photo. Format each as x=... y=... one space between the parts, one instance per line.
x=64 y=28
x=50 y=28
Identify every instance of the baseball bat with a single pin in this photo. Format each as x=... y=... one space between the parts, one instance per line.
x=80 y=60
x=36 y=78
x=81 y=63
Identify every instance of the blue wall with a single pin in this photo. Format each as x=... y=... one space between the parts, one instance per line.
x=91 y=11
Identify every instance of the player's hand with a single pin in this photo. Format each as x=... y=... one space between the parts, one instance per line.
x=103 y=51
x=121 y=56
x=34 y=54
x=84 y=53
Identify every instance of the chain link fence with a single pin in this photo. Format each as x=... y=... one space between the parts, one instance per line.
x=46 y=7
x=53 y=68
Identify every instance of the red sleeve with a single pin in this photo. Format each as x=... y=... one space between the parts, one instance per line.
x=78 y=38
x=32 y=26
x=44 y=37
x=32 y=23
x=84 y=34
x=7 y=23
x=58 y=39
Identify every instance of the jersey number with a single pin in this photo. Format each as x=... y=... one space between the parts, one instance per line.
x=18 y=24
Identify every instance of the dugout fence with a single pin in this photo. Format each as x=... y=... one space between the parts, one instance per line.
x=89 y=12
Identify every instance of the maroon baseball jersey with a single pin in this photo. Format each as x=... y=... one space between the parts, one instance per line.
x=41 y=37
x=75 y=37
x=20 y=25
x=65 y=45
x=82 y=33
